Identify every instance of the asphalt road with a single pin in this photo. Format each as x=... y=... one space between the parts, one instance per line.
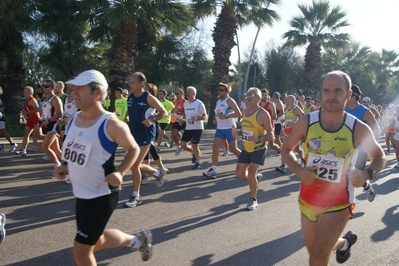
x=195 y=221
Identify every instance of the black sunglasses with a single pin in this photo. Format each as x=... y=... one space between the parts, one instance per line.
x=46 y=86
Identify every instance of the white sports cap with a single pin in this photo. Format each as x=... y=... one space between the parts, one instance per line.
x=366 y=99
x=87 y=77
x=125 y=91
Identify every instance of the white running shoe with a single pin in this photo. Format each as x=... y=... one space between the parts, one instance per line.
x=178 y=151
x=45 y=157
x=21 y=152
x=161 y=177
x=211 y=173
x=145 y=237
x=2 y=230
x=33 y=148
x=252 y=204
x=2 y=147
x=13 y=147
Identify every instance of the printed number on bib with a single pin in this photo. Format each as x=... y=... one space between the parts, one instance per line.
x=328 y=168
x=190 y=122
x=246 y=135
x=76 y=151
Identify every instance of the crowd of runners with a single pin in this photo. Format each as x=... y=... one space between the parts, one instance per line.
x=80 y=137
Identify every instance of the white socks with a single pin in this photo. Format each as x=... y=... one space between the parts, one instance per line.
x=135 y=242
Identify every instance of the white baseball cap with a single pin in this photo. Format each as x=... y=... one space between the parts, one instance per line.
x=87 y=77
x=366 y=99
x=125 y=91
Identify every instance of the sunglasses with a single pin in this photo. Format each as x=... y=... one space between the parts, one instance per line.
x=249 y=94
x=46 y=86
x=221 y=90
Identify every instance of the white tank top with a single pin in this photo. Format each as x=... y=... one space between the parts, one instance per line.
x=223 y=108
x=90 y=154
x=48 y=110
x=396 y=132
x=69 y=109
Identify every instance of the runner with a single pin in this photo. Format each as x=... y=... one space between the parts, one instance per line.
x=92 y=137
x=31 y=111
x=194 y=116
x=226 y=112
x=144 y=110
x=256 y=130
x=327 y=189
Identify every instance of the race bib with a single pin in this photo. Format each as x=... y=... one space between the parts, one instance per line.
x=190 y=122
x=246 y=135
x=329 y=168
x=218 y=111
x=76 y=151
x=179 y=117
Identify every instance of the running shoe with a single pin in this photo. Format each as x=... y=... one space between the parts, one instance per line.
x=281 y=169
x=33 y=148
x=167 y=145
x=370 y=194
x=21 y=152
x=211 y=173
x=2 y=147
x=171 y=143
x=178 y=151
x=45 y=157
x=2 y=229
x=226 y=153
x=193 y=160
x=145 y=237
x=144 y=179
x=161 y=177
x=133 y=201
x=13 y=147
x=196 y=166
x=252 y=204
x=343 y=256
x=397 y=165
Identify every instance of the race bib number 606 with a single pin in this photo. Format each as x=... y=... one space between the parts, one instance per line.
x=328 y=168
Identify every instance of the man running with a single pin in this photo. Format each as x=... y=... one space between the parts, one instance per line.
x=226 y=112
x=194 y=116
x=144 y=110
x=327 y=189
x=177 y=126
x=256 y=130
x=92 y=137
x=31 y=111
x=52 y=111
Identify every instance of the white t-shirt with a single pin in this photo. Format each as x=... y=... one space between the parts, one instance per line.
x=194 y=109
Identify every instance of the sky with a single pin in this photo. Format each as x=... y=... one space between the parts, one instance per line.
x=373 y=23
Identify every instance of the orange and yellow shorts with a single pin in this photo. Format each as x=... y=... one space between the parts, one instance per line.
x=313 y=212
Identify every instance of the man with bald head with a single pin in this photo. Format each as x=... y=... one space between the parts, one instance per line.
x=326 y=197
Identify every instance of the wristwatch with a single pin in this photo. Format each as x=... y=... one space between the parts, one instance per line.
x=372 y=173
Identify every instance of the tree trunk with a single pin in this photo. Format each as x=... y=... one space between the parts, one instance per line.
x=122 y=61
x=312 y=63
x=223 y=36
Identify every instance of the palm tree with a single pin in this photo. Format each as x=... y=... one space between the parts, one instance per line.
x=131 y=26
x=318 y=26
x=14 y=21
x=233 y=14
